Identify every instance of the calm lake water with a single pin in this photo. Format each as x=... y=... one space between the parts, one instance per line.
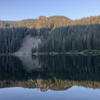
x=60 y=77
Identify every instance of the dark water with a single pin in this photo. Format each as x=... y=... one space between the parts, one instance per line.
x=61 y=77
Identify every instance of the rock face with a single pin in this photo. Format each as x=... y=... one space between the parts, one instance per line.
x=27 y=45
x=24 y=53
x=43 y=18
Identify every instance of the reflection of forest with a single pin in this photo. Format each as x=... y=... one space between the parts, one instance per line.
x=45 y=84
x=55 y=72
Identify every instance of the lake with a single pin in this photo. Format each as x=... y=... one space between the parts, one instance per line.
x=59 y=77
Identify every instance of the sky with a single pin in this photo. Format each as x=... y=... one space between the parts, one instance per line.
x=29 y=9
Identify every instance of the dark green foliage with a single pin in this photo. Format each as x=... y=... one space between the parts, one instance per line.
x=81 y=37
x=11 y=39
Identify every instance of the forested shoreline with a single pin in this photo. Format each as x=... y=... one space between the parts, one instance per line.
x=58 y=34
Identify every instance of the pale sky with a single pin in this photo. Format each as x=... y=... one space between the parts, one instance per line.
x=26 y=9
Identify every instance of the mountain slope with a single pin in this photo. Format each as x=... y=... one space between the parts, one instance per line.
x=50 y=22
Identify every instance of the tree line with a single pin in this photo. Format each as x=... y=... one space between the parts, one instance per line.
x=63 y=39
x=79 y=37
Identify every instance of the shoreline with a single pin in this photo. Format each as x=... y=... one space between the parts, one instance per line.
x=85 y=52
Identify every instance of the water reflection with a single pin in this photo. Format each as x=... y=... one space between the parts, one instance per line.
x=59 y=72
x=74 y=93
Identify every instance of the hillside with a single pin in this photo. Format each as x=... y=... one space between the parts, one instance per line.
x=41 y=22
x=50 y=22
x=56 y=33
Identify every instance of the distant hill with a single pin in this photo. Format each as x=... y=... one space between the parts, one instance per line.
x=50 y=22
